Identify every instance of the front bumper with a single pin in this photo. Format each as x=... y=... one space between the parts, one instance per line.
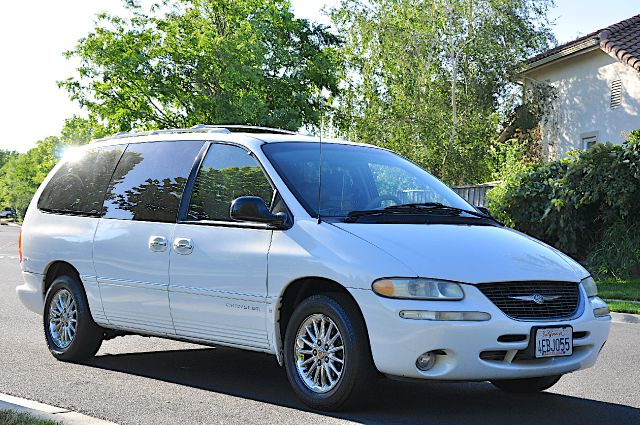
x=396 y=343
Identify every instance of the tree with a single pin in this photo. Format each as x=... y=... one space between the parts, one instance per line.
x=6 y=155
x=22 y=174
x=205 y=61
x=428 y=77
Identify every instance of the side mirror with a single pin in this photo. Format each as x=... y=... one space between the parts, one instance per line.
x=253 y=208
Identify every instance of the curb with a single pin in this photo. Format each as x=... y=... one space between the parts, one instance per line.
x=45 y=411
x=4 y=223
x=625 y=318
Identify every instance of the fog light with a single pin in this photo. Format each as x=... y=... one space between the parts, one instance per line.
x=600 y=308
x=455 y=316
x=426 y=361
x=601 y=312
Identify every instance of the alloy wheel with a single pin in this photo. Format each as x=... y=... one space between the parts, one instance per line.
x=63 y=319
x=320 y=353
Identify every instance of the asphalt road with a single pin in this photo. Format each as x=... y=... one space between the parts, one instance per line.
x=137 y=380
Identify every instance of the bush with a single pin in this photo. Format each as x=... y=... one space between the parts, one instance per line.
x=517 y=156
x=587 y=205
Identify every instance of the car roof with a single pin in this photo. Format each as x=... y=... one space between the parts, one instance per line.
x=250 y=137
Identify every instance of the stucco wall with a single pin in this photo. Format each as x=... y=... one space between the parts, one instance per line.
x=583 y=85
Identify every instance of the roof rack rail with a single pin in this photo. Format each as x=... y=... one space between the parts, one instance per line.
x=199 y=128
x=235 y=128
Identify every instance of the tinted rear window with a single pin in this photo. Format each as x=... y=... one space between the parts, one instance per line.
x=148 y=183
x=79 y=186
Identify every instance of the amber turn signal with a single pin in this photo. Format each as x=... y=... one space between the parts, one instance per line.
x=20 y=245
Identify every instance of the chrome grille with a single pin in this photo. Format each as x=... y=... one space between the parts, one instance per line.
x=561 y=299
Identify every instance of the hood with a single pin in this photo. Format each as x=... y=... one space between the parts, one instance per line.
x=471 y=254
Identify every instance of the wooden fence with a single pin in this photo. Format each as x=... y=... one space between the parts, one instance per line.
x=475 y=193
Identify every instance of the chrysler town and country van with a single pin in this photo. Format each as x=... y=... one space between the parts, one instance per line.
x=344 y=261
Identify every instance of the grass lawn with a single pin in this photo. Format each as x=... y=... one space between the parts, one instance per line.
x=628 y=290
x=625 y=292
x=9 y=417
x=624 y=307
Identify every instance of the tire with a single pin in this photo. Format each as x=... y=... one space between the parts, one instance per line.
x=87 y=338
x=355 y=371
x=527 y=385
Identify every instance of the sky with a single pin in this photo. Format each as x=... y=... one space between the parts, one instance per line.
x=35 y=33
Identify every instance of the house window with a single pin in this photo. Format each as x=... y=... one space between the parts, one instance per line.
x=589 y=141
x=616 y=94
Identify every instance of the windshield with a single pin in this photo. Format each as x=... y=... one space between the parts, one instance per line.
x=355 y=178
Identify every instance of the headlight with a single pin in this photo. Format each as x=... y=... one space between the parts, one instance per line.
x=419 y=289
x=590 y=286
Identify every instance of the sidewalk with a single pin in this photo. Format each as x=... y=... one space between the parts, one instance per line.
x=46 y=411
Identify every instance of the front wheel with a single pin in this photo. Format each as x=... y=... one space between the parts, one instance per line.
x=527 y=385
x=326 y=352
x=69 y=329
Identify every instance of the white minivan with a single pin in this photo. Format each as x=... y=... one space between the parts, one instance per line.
x=345 y=261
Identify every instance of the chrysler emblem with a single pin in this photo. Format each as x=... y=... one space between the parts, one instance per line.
x=536 y=298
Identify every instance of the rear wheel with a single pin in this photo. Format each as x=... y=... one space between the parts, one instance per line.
x=69 y=329
x=527 y=385
x=326 y=352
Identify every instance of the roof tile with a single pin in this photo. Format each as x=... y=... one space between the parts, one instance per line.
x=620 y=40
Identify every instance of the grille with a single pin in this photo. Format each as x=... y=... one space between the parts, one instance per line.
x=503 y=295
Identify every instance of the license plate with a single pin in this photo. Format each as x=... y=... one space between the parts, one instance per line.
x=553 y=342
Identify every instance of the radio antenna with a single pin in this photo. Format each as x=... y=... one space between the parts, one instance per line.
x=320 y=170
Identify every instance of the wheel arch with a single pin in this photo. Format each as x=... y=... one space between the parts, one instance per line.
x=300 y=289
x=55 y=269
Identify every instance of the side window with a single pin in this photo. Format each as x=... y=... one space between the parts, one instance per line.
x=149 y=180
x=227 y=173
x=79 y=185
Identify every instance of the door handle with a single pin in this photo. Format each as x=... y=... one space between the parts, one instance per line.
x=158 y=243
x=183 y=246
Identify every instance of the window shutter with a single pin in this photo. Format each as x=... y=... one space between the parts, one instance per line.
x=616 y=94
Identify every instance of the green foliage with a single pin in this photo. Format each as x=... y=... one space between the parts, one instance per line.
x=616 y=289
x=79 y=131
x=587 y=205
x=624 y=307
x=6 y=155
x=426 y=78
x=513 y=158
x=10 y=417
x=21 y=174
x=205 y=61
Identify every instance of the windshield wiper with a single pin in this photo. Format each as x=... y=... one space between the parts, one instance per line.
x=435 y=206
x=424 y=208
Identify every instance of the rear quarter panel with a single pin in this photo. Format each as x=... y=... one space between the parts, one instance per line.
x=48 y=238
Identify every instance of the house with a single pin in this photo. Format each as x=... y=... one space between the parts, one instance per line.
x=596 y=87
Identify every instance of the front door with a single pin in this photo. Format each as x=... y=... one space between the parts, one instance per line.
x=218 y=268
x=133 y=239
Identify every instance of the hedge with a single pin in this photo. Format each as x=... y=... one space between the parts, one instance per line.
x=587 y=205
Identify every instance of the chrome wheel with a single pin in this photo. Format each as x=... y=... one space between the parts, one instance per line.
x=320 y=353
x=63 y=318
